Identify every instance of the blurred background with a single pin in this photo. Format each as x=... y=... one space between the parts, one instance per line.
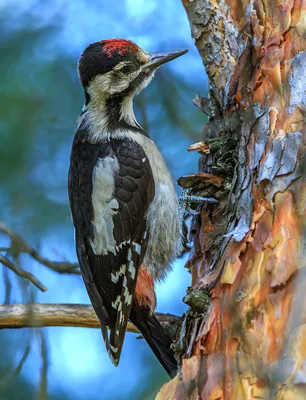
x=40 y=99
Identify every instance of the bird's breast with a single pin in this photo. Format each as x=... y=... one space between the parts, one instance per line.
x=162 y=216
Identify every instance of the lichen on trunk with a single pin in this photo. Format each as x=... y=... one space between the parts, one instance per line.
x=249 y=250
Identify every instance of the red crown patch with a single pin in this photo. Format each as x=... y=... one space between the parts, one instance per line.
x=120 y=46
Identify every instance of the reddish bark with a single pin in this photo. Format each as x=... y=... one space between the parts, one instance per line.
x=249 y=252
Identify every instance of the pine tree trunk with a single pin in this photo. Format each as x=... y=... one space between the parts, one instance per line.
x=249 y=251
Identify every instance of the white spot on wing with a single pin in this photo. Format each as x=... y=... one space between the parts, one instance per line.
x=115 y=277
x=129 y=300
x=137 y=248
x=132 y=270
x=122 y=244
x=113 y=348
x=121 y=318
x=127 y=296
x=117 y=302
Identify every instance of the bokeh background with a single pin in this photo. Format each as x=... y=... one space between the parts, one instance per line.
x=40 y=99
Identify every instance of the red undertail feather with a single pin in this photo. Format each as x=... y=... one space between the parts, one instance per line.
x=143 y=318
x=144 y=292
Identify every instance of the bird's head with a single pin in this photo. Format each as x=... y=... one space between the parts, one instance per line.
x=111 y=73
x=118 y=66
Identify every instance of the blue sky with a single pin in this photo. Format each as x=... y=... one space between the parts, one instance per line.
x=78 y=361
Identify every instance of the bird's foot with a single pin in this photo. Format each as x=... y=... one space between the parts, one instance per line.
x=187 y=199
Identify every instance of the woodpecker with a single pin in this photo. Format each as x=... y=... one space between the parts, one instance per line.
x=123 y=201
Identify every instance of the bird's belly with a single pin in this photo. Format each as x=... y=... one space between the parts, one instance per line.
x=162 y=216
x=164 y=231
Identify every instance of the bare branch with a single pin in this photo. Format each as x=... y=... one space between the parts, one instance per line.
x=62 y=267
x=77 y=315
x=21 y=272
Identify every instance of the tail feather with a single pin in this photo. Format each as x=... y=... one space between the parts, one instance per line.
x=156 y=338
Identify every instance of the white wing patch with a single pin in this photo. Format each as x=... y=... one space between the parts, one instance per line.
x=104 y=205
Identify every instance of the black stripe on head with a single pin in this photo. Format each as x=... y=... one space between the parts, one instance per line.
x=114 y=122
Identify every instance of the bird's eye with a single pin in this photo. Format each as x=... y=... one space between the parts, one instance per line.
x=128 y=69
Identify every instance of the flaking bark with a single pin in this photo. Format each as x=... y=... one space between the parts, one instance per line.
x=249 y=252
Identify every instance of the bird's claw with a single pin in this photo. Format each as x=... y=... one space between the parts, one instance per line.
x=187 y=199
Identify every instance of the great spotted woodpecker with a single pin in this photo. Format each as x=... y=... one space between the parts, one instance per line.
x=123 y=201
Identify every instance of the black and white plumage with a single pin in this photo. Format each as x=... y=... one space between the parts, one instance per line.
x=123 y=201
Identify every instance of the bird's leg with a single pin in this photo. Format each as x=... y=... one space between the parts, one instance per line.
x=186 y=199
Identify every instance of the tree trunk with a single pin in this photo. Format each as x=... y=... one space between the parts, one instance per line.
x=248 y=250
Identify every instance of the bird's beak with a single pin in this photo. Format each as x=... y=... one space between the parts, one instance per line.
x=157 y=59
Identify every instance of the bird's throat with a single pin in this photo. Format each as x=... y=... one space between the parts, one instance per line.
x=107 y=115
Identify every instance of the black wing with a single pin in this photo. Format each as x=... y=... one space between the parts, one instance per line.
x=110 y=263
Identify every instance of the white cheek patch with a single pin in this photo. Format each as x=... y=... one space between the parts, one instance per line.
x=119 y=85
x=111 y=82
x=120 y=82
x=99 y=87
x=104 y=206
